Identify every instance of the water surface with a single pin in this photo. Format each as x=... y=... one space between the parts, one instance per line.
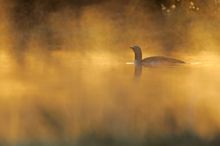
x=66 y=100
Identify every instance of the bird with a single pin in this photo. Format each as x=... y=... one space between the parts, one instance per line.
x=153 y=60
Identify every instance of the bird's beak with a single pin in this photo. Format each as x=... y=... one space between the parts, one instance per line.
x=131 y=47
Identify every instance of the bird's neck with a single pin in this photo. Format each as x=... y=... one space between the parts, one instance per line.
x=138 y=56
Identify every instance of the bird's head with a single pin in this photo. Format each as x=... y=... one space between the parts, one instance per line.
x=135 y=48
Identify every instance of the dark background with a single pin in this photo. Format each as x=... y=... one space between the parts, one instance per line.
x=28 y=17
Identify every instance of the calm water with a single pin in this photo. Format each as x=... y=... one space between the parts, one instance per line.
x=98 y=101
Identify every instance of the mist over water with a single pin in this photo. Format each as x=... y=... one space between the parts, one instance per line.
x=65 y=76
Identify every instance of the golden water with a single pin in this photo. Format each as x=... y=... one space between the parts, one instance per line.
x=65 y=97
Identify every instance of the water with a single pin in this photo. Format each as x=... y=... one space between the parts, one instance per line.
x=65 y=100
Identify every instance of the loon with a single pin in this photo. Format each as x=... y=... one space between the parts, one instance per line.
x=154 y=60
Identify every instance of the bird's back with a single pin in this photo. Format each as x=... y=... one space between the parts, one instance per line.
x=160 y=60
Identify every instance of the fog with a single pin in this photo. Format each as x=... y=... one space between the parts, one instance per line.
x=65 y=76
